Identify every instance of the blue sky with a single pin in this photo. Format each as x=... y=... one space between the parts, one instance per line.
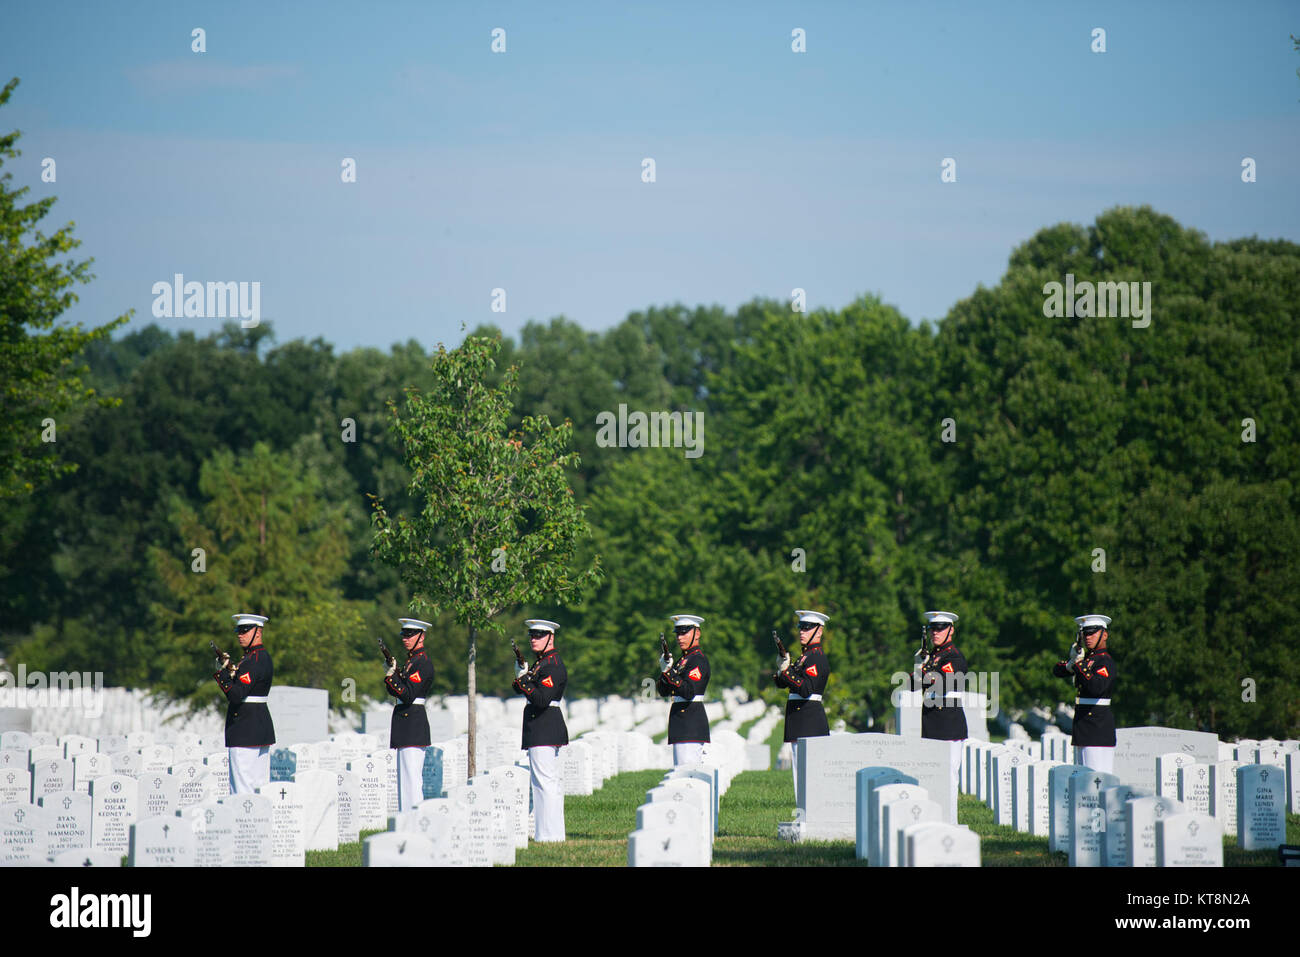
x=522 y=170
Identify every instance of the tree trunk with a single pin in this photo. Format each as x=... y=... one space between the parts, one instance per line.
x=473 y=693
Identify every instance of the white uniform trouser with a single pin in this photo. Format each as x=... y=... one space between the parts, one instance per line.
x=955 y=749
x=250 y=768
x=410 y=777
x=1098 y=759
x=548 y=793
x=688 y=752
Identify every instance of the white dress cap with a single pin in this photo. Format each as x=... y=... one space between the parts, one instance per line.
x=541 y=624
x=816 y=617
x=931 y=617
x=1091 y=621
x=249 y=620
x=693 y=620
x=414 y=624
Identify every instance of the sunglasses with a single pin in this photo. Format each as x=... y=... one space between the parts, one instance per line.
x=410 y=634
x=538 y=634
x=940 y=625
x=683 y=629
x=807 y=625
x=1092 y=630
x=243 y=628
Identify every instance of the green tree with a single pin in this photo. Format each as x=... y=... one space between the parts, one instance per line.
x=274 y=545
x=39 y=375
x=497 y=524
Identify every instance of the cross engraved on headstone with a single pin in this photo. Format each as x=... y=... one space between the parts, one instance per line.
x=11 y=777
x=1160 y=810
x=191 y=770
x=248 y=807
x=157 y=782
x=424 y=823
x=916 y=811
x=67 y=803
x=283 y=794
x=677 y=796
x=370 y=765
x=208 y=815
x=1200 y=772
x=19 y=815
x=1263 y=775
x=166 y=829
x=672 y=817
x=1192 y=828
x=947 y=845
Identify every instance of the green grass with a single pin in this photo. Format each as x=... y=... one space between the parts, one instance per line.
x=597 y=827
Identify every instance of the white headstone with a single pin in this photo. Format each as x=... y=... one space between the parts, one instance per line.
x=114 y=805
x=942 y=845
x=320 y=809
x=252 y=841
x=1167 y=768
x=898 y=815
x=1114 y=839
x=1189 y=840
x=68 y=816
x=1136 y=750
x=51 y=776
x=15 y=786
x=1261 y=807
x=1141 y=815
x=288 y=840
x=159 y=794
x=213 y=827
x=1087 y=818
x=372 y=793
x=398 y=849
x=1223 y=798
x=24 y=835
x=161 y=842
x=349 y=789
x=1194 y=787
x=1058 y=837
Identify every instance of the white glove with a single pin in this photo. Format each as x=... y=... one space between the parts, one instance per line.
x=784 y=665
x=520 y=670
x=918 y=658
x=665 y=662
x=225 y=661
x=392 y=669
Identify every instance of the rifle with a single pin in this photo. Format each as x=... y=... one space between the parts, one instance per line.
x=663 y=647
x=518 y=654
x=388 y=655
x=220 y=655
x=780 y=645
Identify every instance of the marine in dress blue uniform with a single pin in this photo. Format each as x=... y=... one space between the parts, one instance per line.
x=247 y=685
x=544 y=730
x=686 y=682
x=941 y=675
x=805 y=716
x=409 y=730
x=1092 y=669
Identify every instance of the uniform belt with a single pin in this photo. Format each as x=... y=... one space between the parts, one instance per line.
x=1105 y=701
x=255 y=699
x=417 y=701
x=677 y=699
x=954 y=695
x=799 y=697
x=554 y=704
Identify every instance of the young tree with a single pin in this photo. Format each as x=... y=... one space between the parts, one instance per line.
x=497 y=524
x=39 y=380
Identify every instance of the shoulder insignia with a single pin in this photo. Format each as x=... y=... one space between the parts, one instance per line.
x=1103 y=672
x=246 y=678
x=548 y=682
x=811 y=672
x=947 y=667
x=415 y=676
x=695 y=674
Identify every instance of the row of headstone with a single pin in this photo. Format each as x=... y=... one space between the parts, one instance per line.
x=898 y=825
x=676 y=825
